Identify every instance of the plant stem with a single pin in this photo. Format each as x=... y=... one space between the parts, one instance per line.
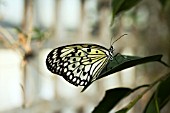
x=133 y=102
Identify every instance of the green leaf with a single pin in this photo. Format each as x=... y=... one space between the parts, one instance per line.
x=38 y=34
x=121 y=62
x=152 y=107
x=116 y=4
x=163 y=93
x=122 y=111
x=160 y=97
x=111 y=98
x=119 y=6
x=165 y=3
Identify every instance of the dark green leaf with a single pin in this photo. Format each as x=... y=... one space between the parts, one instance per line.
x=165 y=3
x=152 y=107
x=121 y=5
x=116 y=4
x=121 y=62
x=122 y=111
x=126 y=109
x=111 y=98
x=161 y=96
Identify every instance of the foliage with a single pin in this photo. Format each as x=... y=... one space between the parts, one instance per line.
x=161 y=94
x=121 y=62
x=119 y=6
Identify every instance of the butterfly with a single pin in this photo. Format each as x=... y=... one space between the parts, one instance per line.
x=79 y=64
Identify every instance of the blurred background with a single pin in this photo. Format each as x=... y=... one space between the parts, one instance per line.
x=29 y=29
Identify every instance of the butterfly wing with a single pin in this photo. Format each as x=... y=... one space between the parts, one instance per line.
x=79 y=64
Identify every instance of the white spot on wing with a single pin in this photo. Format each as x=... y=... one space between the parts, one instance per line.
x=88 y=78
x=65 y=69
x=74 y=79
x=78 y=81
x=58 y=68
x=70 y=77
x=81 y=83
x=87 y=68
x=68 y=73
x=65 y=64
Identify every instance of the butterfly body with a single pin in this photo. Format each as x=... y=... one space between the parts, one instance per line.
x=79 y=64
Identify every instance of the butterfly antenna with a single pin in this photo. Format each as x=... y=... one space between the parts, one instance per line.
x=111 y=41
x=118 y=38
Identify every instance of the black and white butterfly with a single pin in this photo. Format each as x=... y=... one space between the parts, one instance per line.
x=79 y=64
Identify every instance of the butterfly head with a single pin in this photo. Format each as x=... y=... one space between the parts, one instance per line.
x=111 y=52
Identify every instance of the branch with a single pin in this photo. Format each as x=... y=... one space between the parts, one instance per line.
x=134 y=101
